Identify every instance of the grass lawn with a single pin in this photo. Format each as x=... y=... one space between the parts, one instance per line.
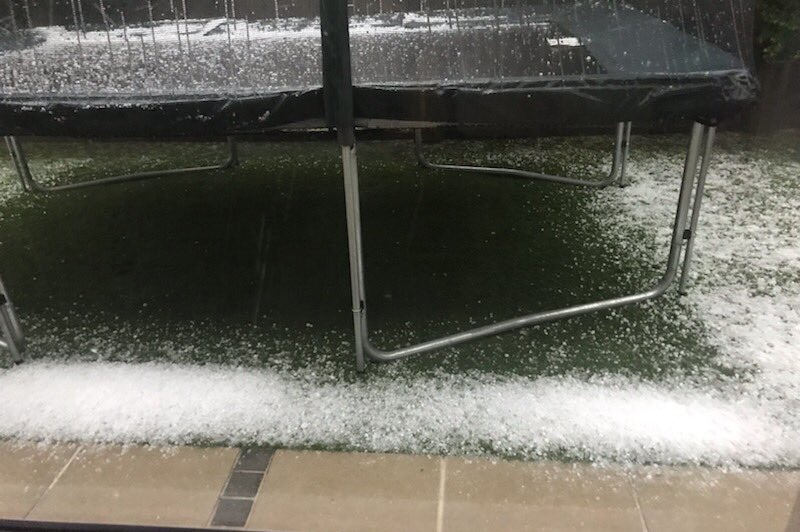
x=243 y=274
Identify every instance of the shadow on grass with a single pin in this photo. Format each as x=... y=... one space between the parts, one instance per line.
x=249 y=266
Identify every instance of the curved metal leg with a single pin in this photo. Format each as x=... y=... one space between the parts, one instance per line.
x=364 y=349
x=31 y=185
x=617 y=172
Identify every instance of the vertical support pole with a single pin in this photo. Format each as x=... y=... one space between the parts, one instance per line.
x=685 y=197
x=698 y=201
x=13 y=337
x=357 y=289
x=20 y=162
x=10 y=148
x=617 y=155
x=626 y=143
x=337 y=84
x=233 y=149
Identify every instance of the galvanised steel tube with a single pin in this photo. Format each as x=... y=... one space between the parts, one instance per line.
x=30 y=184
x=626 y=147
x=13 y=336
x=617 y=171
x=353 y=210
x=14 y=151
x=8 y=340
x=698 y=201
x=684 y=199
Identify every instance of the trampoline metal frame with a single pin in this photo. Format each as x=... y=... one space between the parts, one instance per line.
x=29 y=184
x=11 y=334
x=700 y=146
x=338 y=96
x=691 y=233
x=616 y=174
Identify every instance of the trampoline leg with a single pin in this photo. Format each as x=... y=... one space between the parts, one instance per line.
x=31 y=185
x=352 y=206
x=13 y=338
x=617 y=172
x=626 y=145
x=698 y=200
x=365 y=348
x=233 y=153
x=19 y=160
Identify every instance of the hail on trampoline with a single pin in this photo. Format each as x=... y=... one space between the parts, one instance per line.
x=123 y=58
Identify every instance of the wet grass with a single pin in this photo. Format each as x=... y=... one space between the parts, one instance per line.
x=174 y=269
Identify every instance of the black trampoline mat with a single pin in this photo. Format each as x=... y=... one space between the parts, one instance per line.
x=468 y=66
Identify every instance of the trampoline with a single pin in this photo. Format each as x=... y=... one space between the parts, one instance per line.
x=215 y=70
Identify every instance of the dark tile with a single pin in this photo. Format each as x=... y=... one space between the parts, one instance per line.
x=254 y=459
x=232 y=512
x=243 y=484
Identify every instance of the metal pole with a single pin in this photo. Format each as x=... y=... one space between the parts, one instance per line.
x=16 y=329
x=13 y=338
x=337 y=82
x=357 y=289
x=20 y=162
x=11 y=154
x=31 y=185
x=7 y=340
x=698 y=200
x=626 y=144
x=684 y=199
x=616 y=172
